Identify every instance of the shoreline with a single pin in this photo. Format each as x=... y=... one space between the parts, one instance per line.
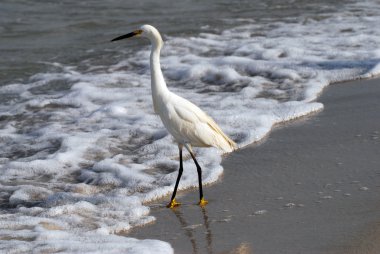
x=311 y=186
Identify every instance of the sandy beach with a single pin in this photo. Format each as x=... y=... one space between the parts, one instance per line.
x=312 y=186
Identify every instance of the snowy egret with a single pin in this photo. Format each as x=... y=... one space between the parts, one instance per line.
x=187 y=123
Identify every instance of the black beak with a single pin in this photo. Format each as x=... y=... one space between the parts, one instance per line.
x=129 y=35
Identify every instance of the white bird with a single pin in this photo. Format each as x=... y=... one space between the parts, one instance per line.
x=186 y=122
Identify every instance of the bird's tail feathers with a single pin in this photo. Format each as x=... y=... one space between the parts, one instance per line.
x=229 y=145
x=226 y=144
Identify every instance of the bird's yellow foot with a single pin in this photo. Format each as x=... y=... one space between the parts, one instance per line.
x=203 y=202
x=173 y=204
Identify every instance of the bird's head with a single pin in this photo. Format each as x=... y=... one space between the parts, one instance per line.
x=146 y=31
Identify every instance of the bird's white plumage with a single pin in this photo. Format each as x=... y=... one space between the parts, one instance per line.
x=186 y=122
x=190 y=125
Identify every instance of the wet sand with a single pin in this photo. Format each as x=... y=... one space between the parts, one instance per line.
x=313 y=186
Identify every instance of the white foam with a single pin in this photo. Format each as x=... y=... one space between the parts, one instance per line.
x=82 y=161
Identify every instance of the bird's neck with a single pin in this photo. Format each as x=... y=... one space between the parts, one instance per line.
x=159 y=88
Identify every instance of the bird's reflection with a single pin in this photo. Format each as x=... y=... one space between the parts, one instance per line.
x=208 y=230
x=190 y=230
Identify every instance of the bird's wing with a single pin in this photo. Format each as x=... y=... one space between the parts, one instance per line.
x=204 y=127
x=189 y=112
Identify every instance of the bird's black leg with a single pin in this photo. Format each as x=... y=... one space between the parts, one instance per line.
x=173 y=202
x=202 y=201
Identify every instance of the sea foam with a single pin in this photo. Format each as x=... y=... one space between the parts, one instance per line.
x=80 y=161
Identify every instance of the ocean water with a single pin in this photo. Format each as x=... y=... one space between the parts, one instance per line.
x=81 y=149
